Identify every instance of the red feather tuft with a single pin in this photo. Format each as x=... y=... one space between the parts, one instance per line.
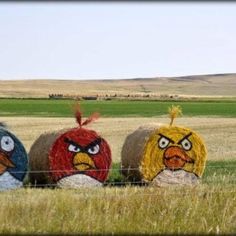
x=92 y=118
x=78 y=114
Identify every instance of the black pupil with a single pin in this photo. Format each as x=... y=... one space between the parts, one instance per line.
x=186 y=144
x=7 y=142
x=92 y=149
x=163 y=142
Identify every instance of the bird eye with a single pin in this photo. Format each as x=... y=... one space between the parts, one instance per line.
x=73 y=148
x=186 y=144
x=94 y=150
x=163 y=142
x=7 y=143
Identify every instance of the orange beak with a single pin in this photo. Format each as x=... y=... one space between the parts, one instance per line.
x=175 y=158
x=5 y=162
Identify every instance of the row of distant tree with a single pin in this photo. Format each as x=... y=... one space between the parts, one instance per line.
x=109 y=96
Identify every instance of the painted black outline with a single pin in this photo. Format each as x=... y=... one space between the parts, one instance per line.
x=163 y=136
x=186 y=137
x=90 y=167
x=85 y=149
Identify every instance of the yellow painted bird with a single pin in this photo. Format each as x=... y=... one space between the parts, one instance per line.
x=173 y=155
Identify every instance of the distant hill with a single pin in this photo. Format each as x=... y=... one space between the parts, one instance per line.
x=194 y=85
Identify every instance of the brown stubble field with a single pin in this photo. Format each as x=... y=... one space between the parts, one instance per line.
x=218 y=133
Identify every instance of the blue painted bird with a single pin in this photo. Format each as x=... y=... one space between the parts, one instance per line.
x=13 y=160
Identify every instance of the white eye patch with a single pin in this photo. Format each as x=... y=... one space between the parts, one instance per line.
x=73 y=148
x=7 y=143
x=163 y=142
x=94 y=149
x=186 y=144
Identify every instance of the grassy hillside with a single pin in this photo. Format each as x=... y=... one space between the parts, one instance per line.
x=199 y=85
x=63 y=108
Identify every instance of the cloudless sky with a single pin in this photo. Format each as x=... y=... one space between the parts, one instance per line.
x=99 y=40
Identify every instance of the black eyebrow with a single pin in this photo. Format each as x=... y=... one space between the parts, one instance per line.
x=185 y=137
x=167 y=138
x=94 y=143
x=84 y=149
x=73 y=143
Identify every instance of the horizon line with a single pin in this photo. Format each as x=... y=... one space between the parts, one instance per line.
x=108 y=79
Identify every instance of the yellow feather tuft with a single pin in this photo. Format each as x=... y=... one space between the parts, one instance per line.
x=174 y=111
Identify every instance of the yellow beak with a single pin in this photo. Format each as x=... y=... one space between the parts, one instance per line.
x=83 y=162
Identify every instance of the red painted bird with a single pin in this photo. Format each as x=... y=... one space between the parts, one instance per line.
x=80 y=157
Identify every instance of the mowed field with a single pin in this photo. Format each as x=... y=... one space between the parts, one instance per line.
x=209 y=208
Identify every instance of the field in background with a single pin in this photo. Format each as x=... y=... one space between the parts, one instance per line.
x=199 y=85
x=63 y=108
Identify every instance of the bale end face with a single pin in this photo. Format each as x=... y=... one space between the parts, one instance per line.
x=163 y=154
x=80 y=151
x=61 y=158
x=13 y=160
x=174 y=149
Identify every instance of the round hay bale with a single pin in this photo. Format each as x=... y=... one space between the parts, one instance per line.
x=39 y=158
x=70 y=158
x=132 y=151
x=13 y=160
x=164 y=155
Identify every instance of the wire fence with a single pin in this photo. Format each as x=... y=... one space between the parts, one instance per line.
x=119 y=177
x=114 y=169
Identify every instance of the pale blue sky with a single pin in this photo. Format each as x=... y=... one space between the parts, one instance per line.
x=98 y=40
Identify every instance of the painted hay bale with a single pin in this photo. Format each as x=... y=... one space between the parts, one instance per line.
x=166 y=155
x=70 y=158
x=13 y=160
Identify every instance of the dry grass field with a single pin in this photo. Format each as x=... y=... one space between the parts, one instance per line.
x=136 y=210
x=218 y=133
x=201 y=85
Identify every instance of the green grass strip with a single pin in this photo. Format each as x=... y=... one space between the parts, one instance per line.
x=63 y=108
